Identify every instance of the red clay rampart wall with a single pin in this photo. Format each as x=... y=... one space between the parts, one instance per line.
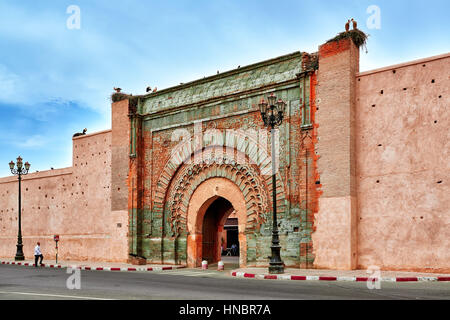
x=74 y=203
x=403 y=167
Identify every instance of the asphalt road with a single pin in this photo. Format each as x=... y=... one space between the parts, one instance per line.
x=23 y=283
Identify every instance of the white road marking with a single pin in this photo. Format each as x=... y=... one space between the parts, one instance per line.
x=188 y=273
x=52 y=295
x=201 y=274
x=181 y=272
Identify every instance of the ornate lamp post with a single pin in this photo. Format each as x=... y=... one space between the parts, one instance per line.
x=19 y=171
x=272 y=114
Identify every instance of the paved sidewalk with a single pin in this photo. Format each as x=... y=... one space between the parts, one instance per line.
x=339 y=275
x=94 y=265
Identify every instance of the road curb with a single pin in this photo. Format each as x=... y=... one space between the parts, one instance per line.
x=337 y=278
x=46 y=265
x=241 y=274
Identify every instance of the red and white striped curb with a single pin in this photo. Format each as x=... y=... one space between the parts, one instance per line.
x=328 y=278
x=94 y=268
x=26 y=264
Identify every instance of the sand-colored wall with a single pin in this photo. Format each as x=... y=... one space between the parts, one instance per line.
x=73 y=202
x=403 y=167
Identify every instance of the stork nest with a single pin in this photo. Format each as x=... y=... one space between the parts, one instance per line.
x=119 y=96
x=133 y=100
x=358 y=37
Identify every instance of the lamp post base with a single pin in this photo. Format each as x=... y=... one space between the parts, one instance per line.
x=19 y=254
x=276 y=265
x=276 y=268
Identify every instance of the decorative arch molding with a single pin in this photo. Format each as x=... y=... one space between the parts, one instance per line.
x=191 y=176
x=177 y=184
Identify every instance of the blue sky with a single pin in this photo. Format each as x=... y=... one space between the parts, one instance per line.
x=55 y=81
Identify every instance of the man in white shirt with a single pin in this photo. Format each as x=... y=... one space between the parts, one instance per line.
x=38 y=254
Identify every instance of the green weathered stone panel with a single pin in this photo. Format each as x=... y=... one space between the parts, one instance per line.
x=152 y=249
x=169 y=249
x=182 y=250
x=263 y=248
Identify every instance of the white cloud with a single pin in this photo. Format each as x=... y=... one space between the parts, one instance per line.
x=46 y=61
x=9 y=83
x=33 y=142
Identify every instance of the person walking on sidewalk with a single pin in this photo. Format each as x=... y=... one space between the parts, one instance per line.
x=38 y=254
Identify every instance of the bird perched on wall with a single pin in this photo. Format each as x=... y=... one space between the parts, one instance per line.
x=217 y=71
x=148 y=89
x=156 y=89
x=347 y=26
x=80 y=134
x=117 y=89
x=355 y=24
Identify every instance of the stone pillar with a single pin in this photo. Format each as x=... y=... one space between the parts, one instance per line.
x=119 y=154
x=334 y=240
x=194 y=250
x=120 y=139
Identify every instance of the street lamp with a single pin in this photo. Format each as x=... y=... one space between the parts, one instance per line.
x=272 y=113
x=19 y=171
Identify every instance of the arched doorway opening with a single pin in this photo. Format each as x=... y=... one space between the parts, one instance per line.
x=212 y=202
x=215 y=239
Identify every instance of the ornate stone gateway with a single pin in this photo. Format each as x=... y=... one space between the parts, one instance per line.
x=199 y=151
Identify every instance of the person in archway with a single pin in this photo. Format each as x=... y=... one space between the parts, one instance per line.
x=233 y=249
x=38 y=254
